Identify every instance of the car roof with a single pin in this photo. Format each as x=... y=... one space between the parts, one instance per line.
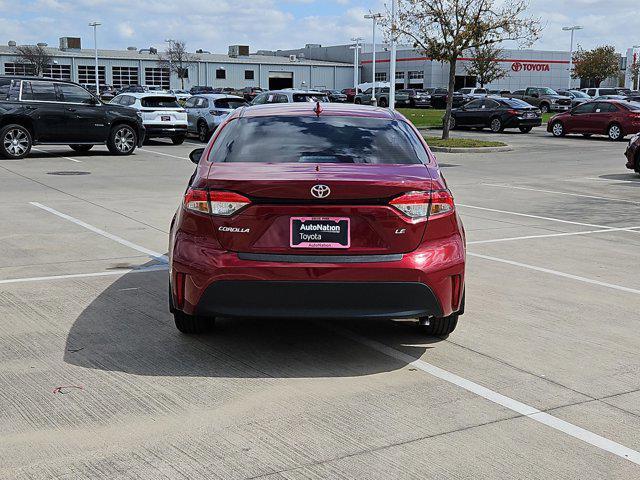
x=217 y=96
x=304 y=109
x=44 y=79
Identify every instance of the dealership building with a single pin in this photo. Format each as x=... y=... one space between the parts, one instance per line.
x=135 y=66
x=313 y=66
x=524 y=68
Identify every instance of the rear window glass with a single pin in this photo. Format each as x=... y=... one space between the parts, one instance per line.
x=318 y=140
x=635 y=106
x=160 y=102
x=309 y=97
x=229 y=103
x=514 y=102
x=608 y=91
x=38 y=91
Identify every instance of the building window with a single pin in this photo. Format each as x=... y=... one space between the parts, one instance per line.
x=416 y=75
x=87 y=74
x=221 y=73
x=124 y=76
x=248 y=74
x=19 y=69
x=158 y=77
x=58 y=72
x=399 y=76
x=381 y=77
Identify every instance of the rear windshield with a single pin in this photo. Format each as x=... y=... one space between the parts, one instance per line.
x=309 y=97
x=608 y=91
x=635 y=106
x=514 y=102
x=160 y=102
x=232 y=103
x=318 y=140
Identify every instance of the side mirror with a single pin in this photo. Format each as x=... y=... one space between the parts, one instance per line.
x=195 y=155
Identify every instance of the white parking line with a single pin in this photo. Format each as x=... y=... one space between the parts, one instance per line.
x=596 y=197
x=152 y=268
x=158 y=256
x=495 y=397
x=57 y=155
x=548 y=235
x=551 y=219
x=163 y=154
x=557 y=273
x=612 y=180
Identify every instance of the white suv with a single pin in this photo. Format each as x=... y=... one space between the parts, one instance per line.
x=474 y=92
x=162 y=115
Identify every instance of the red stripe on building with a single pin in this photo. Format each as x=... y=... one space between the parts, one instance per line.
x=508 y=60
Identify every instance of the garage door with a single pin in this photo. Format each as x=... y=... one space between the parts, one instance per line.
x=280 y=80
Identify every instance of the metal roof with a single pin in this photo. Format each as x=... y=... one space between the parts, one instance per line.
x=204 y=57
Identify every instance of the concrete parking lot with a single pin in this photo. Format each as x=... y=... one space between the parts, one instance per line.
x=541 y=379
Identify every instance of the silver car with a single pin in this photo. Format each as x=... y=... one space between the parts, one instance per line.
x=206 y=111
x=290 y=95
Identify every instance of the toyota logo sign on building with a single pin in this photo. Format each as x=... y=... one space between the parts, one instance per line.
x=530 y=67
x=516 y=66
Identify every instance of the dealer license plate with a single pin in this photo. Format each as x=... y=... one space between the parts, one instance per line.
x=320 y=232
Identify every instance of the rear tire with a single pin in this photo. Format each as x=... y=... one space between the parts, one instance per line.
x=203 y=132
x=557 y=129
x=383 y=103
x=192 y=324
x=122 y=140
x=496 y=125
x=614 y=132
x=357 y=101
x=15 y=141
x=440 y=327
x=81 y=148
x=179 y=140
x=525 y=129
x=544 y=108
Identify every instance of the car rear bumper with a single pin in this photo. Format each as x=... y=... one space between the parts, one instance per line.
x=426 y=282
x=165 y=130
x=515 y=122
x=554 y=107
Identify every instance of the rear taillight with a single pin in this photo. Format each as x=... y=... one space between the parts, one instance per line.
x=424 y=204
x=219 y=203
x=513 y=112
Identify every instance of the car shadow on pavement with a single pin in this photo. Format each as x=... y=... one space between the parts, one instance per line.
x=128 y=328
x=628 y=178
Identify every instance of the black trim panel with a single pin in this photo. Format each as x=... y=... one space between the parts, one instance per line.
x=319 y=299
x=269 y=257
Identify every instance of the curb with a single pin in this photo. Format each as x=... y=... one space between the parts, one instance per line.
x=470 y=149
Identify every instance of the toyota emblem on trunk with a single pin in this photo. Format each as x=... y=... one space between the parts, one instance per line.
x=320 y=191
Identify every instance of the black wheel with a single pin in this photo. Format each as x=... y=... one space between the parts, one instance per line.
x=16 y=141
x=203 y=132
x=525 y=129
x=192 y=324
x=440 y=327
x=496 y=125
x=452 y=122
x=383 y=102
x=357 y=101
x=122 y=140
x=178 y=140
x=614 y=132
x=544 y=108
x=557 y=129
x=81 y=148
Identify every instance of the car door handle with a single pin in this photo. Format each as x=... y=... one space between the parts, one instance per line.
x=71 y=109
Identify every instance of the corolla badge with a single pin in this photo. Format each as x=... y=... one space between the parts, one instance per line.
x=320 y=191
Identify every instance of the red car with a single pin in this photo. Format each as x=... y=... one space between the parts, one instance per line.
x=614 y=118
x=633 y=153
x=318 y=211
x=350 y=93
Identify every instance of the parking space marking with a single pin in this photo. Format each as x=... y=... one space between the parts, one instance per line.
x=158 y=256
x=163 y=154
x=596 y=197
x=557 y=273
x=549 y=235
x=151 y=268
x=57 y=155
x=495 y=397
x=538 y=217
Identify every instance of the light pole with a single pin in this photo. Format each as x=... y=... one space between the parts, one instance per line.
x=356 y=61
x=95 y=48
x=374 y=19
x=392 y=57
x=572 y=29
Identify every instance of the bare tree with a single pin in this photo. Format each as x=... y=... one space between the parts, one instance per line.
x=37 y=56
x=444 y=29
x=177 y=59
x=596 y=65
x=485 y=64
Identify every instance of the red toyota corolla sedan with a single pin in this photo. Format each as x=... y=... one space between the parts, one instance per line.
x=317 y=211
x=614 y=118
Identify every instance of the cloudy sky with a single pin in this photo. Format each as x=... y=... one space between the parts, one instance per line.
x=271 y=24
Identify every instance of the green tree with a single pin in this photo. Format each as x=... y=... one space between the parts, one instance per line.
x=596 y=65
x=486 y=64
x=444 y=29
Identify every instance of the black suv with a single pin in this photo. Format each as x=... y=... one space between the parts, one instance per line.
x=35 y=110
